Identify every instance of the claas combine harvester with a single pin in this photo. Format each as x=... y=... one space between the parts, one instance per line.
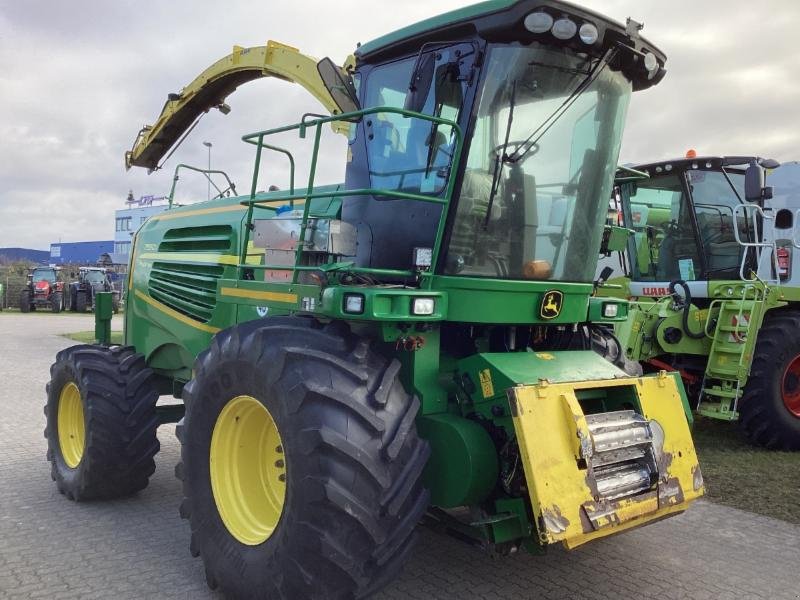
x=413 y=344
x=709 y=266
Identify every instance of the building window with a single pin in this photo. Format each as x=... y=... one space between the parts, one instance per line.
x=123 y=223
x=142 y=220
x=122 y=247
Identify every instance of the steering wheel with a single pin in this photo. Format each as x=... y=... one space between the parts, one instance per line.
x=530 y=148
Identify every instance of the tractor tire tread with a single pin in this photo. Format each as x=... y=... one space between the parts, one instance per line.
x=763 y=417
x=119 y=397
x=351 y=525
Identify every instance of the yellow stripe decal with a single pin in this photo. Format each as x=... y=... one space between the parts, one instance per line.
x=192 y=257
x=180 y=214
x=255 y=295
x=175 y=314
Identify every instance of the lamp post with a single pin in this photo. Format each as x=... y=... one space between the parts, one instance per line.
x=208 y=175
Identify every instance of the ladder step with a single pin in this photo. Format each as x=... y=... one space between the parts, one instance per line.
x=715 y=391
x=716 y=411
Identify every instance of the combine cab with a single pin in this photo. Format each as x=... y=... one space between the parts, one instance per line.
x=44 y=290
x=411 y=344
x=709 y=266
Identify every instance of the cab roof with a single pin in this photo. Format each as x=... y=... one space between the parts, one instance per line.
x=503 y=20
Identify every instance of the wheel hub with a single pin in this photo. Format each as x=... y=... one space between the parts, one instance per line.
x=790 y=389
x=248 y=470
x=71 y=426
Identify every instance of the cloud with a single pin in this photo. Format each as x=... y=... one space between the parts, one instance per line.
x=78 y=79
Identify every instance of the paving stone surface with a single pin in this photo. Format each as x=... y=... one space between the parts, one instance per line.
x=138 y=547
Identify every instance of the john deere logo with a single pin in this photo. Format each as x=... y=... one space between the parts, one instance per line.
x=551 y=304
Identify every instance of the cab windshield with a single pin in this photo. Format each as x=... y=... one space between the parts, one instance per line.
x=95 y=277
x=44 y=275
x=546 y=216
x=678 y=239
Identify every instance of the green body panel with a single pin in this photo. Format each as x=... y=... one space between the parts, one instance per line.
x=103 y=312
x=474 y=300
x=462 y=469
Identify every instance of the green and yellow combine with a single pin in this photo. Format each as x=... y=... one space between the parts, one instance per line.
x=415 y=344
x=715 y=295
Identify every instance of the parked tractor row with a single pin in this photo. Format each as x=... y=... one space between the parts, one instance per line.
x=47 y=290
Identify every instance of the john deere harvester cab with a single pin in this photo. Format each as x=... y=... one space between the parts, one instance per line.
x=414 y=343
x=709 y=267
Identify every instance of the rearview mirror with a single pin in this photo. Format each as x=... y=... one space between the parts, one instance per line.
x=753 y=182
x=339 y=85
x=420 y=84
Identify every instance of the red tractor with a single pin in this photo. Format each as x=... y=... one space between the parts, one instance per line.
x=45 y=289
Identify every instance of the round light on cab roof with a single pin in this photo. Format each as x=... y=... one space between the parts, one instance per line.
x=588 y=33
x=564 y=29
x=650 y=62
x=538 y=22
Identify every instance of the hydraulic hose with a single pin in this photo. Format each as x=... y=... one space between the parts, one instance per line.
x=687 y=304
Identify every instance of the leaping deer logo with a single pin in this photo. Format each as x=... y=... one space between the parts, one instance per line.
x=551 y=304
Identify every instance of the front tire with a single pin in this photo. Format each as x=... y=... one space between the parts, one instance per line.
x=101 y=422
x=56 y=302
x=25 y=301
x=326 y=421
x=80 y=301
x=769 y=412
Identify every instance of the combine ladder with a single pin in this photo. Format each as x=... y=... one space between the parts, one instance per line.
x=738 y=321
x=733 y=342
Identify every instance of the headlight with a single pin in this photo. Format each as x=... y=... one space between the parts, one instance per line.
x=588 y=33
x=353 y=304
x=564 y=29
x=422 y=258
x=538 y=22
x=650 y=62
x=610 y=310
x=422 y=306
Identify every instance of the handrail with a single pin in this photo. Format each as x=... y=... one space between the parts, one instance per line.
x=291 y=164
x=316 y=123
x=756 y=244
x=795 y=241
x=207 y=173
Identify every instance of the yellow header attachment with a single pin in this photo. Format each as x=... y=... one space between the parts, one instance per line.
x=592 y=475
x=212 y=86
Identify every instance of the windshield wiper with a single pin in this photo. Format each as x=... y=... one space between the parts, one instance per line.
x=542 y=129
x=501 y=157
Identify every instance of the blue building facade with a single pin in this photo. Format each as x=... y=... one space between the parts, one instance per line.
x=84 y=253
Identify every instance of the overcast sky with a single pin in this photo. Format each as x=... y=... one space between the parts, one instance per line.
x=78 y=79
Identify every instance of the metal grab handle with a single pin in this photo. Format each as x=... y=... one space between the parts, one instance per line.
x=795 y=241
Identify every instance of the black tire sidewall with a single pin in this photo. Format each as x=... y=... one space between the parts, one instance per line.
x=63 y=373
x=223 y=382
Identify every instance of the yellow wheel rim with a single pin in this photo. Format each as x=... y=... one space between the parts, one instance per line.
x=71 y=426
x=248 y=470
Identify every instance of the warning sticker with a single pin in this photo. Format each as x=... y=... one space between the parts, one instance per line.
x=487 y=388
x=686 y=268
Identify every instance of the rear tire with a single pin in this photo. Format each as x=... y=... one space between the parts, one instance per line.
x=115 y=416
x=353 y=461
x=56 y=302
x=764 y=414
x=25 y=301
x=73 y=300
x=80 y=301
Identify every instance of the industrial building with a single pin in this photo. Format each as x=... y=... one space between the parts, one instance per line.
x=79 y=253
x=129 y=219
